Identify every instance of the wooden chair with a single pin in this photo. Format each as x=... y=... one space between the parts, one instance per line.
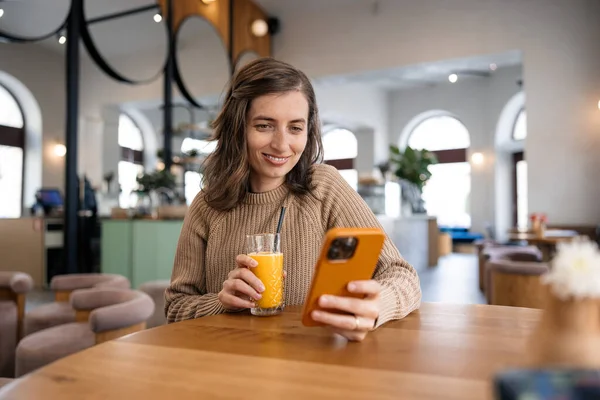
x=60 y=311
x=13 y=288
x=496 y=251
x=517 y=283
x=102 y=314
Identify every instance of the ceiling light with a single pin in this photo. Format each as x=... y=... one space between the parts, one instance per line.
x=452 y=78
x=477 y=158
x=1 y=12
x=493 y=67
x=62 y=39
x=157 y=17
x=259 y=28
x=60 y=150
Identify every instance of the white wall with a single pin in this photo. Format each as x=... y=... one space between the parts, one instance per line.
x=363 y=110
x=477 y=102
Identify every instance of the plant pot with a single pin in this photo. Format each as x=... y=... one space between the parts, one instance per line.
x=568 y=335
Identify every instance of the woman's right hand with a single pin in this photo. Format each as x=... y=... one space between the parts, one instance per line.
x=241 y=286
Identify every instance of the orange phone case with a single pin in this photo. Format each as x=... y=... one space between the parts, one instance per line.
x=333 y=276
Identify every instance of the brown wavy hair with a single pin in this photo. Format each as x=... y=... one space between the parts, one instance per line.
x=227 y=169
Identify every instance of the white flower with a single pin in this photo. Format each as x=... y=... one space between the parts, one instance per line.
x=575 y=270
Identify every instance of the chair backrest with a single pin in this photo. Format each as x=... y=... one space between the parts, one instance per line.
x=516 y=253
x=63 y=285
x=112 y=312
x=156 y=290
x=517 y=283
x=13 y=287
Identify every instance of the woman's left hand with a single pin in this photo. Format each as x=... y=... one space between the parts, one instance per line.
x=365 y=311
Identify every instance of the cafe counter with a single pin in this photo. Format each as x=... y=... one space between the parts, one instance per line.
x=142 y=250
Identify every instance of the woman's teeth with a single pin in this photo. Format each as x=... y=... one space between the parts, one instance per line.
x=276 y=158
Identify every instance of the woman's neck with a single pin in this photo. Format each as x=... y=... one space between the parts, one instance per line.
x=258 y=185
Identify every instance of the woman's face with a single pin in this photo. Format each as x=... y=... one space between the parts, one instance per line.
x=276 y=133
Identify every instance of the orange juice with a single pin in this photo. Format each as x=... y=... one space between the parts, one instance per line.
x=270 y=272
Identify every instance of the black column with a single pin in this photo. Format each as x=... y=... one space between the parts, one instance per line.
x=72 y=115
x=168 y=90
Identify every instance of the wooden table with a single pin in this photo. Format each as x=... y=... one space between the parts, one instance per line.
x=442 y=351
x=547 y=244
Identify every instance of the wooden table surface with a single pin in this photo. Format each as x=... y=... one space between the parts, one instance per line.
x=535 y=239
x=442 y=351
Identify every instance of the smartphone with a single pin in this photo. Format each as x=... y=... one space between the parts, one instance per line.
x=347 y=254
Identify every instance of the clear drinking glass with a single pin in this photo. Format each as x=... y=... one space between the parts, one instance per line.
x=265 y=248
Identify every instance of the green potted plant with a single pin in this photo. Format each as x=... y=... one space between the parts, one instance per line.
x=159 y=179
x=412 y=165
x=154 y=188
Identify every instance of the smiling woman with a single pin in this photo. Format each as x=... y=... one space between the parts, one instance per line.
x=270 y=100
x=276 y=134
x=268 y=156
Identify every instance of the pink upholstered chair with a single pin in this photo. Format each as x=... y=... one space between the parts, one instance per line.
x=102 y=314
x=156 y=290
x=13 y=287
x=60 y=312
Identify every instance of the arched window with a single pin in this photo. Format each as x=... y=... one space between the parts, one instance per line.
x=440 y=133
x=12 y=145
x=340 y=148
x=10 y=112
x=446 y=194
x=192 y=180
x=520 y=127
x=131 y=165
x=204 y=147
x=520 y=172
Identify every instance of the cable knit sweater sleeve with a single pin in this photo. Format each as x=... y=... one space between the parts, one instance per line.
x=187 y=297
x=343 y=207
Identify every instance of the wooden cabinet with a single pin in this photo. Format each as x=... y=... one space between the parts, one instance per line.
x=27 y=244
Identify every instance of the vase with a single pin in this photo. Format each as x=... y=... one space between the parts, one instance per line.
x=568 y=334
x=142 y=204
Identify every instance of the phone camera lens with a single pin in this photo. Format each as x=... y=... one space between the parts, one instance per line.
x=342 y=248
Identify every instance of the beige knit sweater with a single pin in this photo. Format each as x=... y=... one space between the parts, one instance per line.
x=210 y=240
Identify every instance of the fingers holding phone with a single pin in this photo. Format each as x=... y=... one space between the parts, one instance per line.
x=242 y=287
x=351 y=317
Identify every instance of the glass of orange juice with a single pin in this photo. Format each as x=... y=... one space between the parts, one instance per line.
x=265 y=248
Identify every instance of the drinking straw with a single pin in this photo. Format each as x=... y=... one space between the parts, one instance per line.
x=279 y=224
x=281 y=214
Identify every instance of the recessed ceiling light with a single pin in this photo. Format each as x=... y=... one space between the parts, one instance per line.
x=452 y=78
x=157 y=17
x=1 y=12
x=493 y=67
